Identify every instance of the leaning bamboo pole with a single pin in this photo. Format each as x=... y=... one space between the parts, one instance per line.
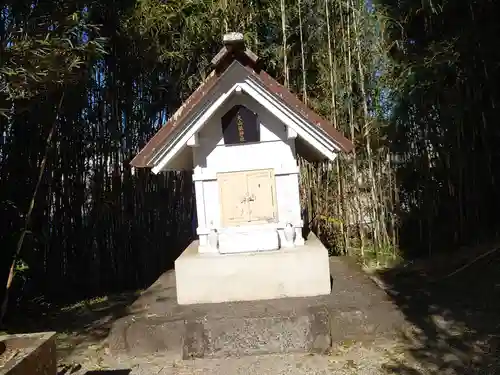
x=302 y=54
x=333 y=87
x=366 y=129
x=284 y=36
x=346 y=38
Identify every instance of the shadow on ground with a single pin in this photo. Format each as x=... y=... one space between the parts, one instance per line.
x=80 y=325
x=86 y=324
x=454 y=303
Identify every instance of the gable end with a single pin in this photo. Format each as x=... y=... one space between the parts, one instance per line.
x=235 y=55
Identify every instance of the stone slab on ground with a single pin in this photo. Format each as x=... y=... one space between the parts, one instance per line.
x=140 y=336
x=222 y=330
x=299 y=329
x=355 y=310
x=29 y=354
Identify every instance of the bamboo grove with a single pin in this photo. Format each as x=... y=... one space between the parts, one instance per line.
x=84 y=84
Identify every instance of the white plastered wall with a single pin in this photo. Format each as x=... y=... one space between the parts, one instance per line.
x=275 y=151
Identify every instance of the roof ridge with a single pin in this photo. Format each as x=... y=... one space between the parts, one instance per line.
x=224 y=59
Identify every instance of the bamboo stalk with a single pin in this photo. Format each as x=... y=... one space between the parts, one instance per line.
x=302 y=55
x=355 y=177
x=20 y=242
x=333 y=114
x=366 y=130
x=285 y=52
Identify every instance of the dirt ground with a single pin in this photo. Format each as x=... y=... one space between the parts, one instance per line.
x=453 y=301
x=451 y=314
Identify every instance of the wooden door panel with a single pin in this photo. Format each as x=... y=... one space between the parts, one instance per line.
x=261 y=193
x=233 y=190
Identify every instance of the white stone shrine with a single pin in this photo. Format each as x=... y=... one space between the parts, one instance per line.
x=240 y=132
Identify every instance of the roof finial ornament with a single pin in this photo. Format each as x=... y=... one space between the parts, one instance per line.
x=234 y=39
x=234 y=49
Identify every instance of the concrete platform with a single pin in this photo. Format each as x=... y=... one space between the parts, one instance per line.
x=356 y=310
x=301 y=271
x=229 y=330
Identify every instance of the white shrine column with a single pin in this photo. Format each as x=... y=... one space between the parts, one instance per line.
x=293 y=193
x=299 y=239
x=288 y=195
x=298 y=222
x=200 y=209
x=203 y=229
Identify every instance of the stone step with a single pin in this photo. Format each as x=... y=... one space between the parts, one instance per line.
x=229 y=331
x=223 y=330
x=295 y=331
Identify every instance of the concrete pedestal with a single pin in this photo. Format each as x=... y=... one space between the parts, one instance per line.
x=302 y=271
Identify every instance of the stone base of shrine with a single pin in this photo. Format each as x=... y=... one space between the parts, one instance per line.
x=302 y=271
